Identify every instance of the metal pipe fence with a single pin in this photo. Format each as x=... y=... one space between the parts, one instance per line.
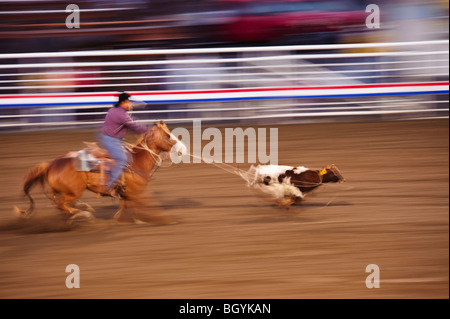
x=258 y=84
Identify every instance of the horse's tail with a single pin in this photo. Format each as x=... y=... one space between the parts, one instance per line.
x=36 y=174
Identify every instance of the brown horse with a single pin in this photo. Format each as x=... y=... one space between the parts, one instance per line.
x=64 y=185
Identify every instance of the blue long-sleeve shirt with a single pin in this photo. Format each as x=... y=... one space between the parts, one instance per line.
x=118 y=122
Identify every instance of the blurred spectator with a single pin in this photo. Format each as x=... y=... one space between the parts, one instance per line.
x=158 y=23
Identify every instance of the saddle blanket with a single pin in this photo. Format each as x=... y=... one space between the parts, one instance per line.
x=91 y=159
x=86 y=162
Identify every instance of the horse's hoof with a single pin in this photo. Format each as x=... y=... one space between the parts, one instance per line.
x=155 y=223
x=122 y=222
x=83 y=216
x=85 y=207
x=121 y=219
x=140 y=222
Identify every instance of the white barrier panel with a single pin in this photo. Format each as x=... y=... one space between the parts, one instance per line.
x=227 y=95
x=181 y=83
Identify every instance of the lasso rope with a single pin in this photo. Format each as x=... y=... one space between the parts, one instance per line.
x=226 y=167
x=143 y=146
x=156 y=157
x=244 y=174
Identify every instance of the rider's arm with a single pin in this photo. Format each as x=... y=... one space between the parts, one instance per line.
x=136 y=127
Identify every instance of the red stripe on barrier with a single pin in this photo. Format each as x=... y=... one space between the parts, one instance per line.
x=296 y=88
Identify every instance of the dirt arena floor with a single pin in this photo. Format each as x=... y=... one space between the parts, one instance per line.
x=393 y=211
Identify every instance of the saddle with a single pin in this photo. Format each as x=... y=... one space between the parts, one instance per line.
x=94 y=159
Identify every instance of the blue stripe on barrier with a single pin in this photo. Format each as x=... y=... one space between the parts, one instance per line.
x=233 y=99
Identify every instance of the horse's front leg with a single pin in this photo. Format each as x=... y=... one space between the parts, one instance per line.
x=83 y=206
x=145 y=211
x=121 y=216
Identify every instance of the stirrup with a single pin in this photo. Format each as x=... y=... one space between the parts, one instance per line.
x=115 y=193
x=105 y=191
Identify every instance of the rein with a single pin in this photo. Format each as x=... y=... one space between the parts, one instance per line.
x=143 y=146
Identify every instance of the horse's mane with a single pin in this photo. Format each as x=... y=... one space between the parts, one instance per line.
x=140 y=140
x=149 y=135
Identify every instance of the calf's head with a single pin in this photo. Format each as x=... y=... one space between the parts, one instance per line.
x=331 y=174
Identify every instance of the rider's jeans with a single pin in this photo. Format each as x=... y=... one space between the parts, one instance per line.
x=116 y=150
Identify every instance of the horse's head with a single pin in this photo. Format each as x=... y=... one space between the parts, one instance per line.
x=331 y=174
x=165 y=141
